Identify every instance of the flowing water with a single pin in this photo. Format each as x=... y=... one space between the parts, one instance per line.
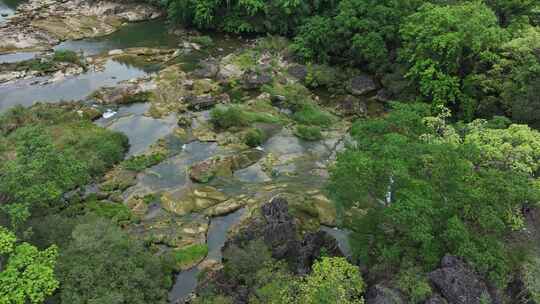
x=186 y=281
x=71 y=88
x=143 y=131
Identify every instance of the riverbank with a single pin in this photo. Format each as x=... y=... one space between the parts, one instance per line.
x=38 y=25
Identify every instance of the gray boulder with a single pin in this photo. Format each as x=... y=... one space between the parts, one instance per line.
x=436 y=299
x=361 y=85
x=254 y=80
x=299 y=72
x=380 y=294
x=201 y=102
x=458 y=283
x=207 y=69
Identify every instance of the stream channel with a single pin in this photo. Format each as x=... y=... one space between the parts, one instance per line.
x=143 y=131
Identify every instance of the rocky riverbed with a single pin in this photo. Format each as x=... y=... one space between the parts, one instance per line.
x=188 y=180
x=41 y=24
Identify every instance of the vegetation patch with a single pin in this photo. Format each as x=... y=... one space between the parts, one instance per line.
x=310 y=133
x=313 y=115
x=116 y=212
x=66 y=56
x=191 y=255
x=254 y=138
x=140 y=162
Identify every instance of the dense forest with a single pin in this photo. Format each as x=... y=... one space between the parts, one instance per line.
x=442 y=184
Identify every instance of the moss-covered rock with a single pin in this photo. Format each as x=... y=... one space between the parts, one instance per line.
x=192 y=200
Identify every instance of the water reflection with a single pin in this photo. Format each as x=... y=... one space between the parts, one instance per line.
x=72 y=88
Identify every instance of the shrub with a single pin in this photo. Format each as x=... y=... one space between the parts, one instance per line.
x=66 y=56
x=311 y=133
x=414 y=284
x=254 y=138
x=140 y=162
x=114 y=211
x=321 y=76
x=310 y=114
x=227 y=117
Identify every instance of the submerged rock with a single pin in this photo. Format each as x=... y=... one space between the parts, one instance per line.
x=192 y=200
x=223 y=166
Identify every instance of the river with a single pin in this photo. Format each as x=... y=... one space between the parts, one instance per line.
x=143 y=131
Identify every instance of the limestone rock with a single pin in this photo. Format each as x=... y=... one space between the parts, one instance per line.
x=361 y=85
x=458 y=283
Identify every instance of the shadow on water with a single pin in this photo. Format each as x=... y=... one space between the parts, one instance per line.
x=186 y=281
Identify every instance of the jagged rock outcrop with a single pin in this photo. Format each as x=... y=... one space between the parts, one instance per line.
x=458 y=283
x=362 y=85
x=380 y=294
x=278 y=230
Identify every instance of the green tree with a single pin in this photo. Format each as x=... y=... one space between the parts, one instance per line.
x=446 y=46
x=424 y=192
x=103 y=265
x=508 y=10
x=39 y=174
x=332 y=280
x=26 y=273
x=513 y=83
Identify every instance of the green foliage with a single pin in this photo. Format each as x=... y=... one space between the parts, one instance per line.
x=427 y=194
x=116 y=212
x=313 y=115
x=243 y=16
x=514 y=148
x=514 y=79
x=140 y=162
x=332 y=280
x=103 y=265
x=40 y=173
x=242 y=264
x=414 y=284
x=275 y=45
x=321 y=76
x=445 y=46
x=310 y=133
x=27 y=274
x=509 y=10
x=190 y=254
x=66 y=56
x=254 y=138
x=315 y=39
x=532 y=278
x=227 y=117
